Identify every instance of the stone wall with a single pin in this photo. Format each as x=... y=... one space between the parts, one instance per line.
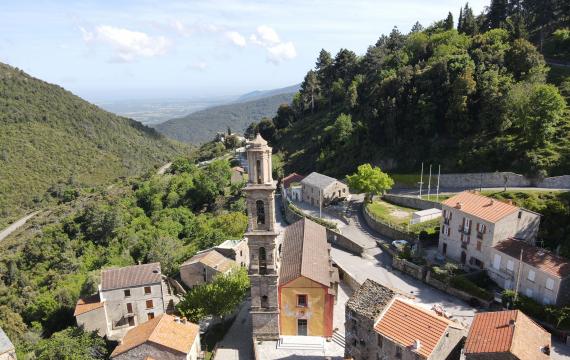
x=411 y=202
x=454 y=292
x=409 y=268
x=556 y=182
x=343 y=242
x=497 y=179
x=387 y=230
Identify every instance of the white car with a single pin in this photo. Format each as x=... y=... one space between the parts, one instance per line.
x=400 y=244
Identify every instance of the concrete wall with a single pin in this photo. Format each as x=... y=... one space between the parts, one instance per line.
x=94 y=320
x=411 y=202
x=453 y=291
x=556 y=182
x=343 y=242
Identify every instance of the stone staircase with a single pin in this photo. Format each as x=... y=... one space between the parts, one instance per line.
x=301 y=343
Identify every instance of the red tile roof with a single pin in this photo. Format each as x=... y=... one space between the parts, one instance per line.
x=162 y=330
x=541 y=259
x=405 y=323
x=87 y=304
x=481 y=206
x=291 y=178
x=129 y=276
x=305 y=253
x=508 y=331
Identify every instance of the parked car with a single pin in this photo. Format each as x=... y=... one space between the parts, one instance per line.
x=400 y=244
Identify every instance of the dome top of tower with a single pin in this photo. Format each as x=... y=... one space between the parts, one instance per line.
x=258 y=141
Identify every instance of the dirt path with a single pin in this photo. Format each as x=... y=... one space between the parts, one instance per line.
x=15 y=225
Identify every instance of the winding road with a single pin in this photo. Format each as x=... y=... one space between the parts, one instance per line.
x=16 y=225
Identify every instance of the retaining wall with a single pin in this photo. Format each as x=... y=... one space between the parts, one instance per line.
x=385 y=229
x=409 y=268
x=556 y=182
x=411 y=202
x=498 y=179
x=343 y=242
x=455 y=292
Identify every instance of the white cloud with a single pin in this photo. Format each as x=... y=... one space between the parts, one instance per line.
x=199 y=66
x=236 y=38
x=281 y=52
x=277 y=51
x=265 y=36
x=128 y=44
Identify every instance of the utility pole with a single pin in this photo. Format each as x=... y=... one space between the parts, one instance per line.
x=320 y=203
x=438 y=176
x=518 y=277
x=421 y=179
x=429 y=182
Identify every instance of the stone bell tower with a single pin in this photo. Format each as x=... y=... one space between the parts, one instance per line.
x=262 y=241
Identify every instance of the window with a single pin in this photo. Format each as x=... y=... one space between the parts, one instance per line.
x=547 y=300
x=531 y=275
x=131 y=320
x=264 y=301
x=262 y=261
x=150 y=316
x=260 y=208
x=129 y=308
x=149 y=304
x=302 y=300
x=479 y=244
x=127 y=293
x=549 y=284
x=398 y=353
x=520 y=214
x=258 y=168
x=510 y=266
x=528 y=292
x=147 y=290
x=497 y=261
x=204 y=274
x=380 y=341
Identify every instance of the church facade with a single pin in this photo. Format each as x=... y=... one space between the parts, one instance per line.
x=293 y=283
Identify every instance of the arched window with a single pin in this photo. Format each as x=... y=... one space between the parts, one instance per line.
x=260 y=211
x=264 y=301
x=262 y=261
x=258 y=168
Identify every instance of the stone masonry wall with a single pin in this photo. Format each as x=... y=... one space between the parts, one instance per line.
x=497 y=179
x=557 y=182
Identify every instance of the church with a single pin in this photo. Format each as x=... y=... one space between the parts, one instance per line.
x=293 y=282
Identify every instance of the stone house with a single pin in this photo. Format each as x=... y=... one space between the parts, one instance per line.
x=292 y=185
x=165 y=337
x=127 y=297
x=543 y=276
x=7 y=349
x=472 y=224
x=410 y=332
x=204 y=266
x=308 y=283
x=506 y=335
x=236 y=250
x=361 y=312
x=319 y=188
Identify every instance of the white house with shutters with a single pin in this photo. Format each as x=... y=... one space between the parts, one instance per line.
x=472 y=224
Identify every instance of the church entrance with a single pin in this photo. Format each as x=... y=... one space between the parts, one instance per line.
x=302 y=327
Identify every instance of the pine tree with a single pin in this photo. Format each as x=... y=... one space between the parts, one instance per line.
x=460 y=20
x=497 y=14
x=448 y=22
x=469 y=23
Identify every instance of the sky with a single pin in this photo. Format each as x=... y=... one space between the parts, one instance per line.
x=140 y=49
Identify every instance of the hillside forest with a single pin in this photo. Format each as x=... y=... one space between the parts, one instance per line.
x=476 y=96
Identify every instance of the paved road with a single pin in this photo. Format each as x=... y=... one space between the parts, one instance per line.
x=15 y=225
x=236 y=344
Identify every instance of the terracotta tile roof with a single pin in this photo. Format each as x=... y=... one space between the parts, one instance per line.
x=87 y=304
x=492 y=332
x=291 y=178
x=129 y=276
x=162 y=330
x=481 y=206
x=370 y=299
x=541 y=259
x=212 y=259
x=405 y=323
x=305 y=253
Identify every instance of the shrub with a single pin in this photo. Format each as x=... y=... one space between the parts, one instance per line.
x=461 y=282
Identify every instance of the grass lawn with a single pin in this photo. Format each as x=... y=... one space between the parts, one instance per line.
x=433 y=197
x=511 y=193
x=394 y=214
x=410 y=180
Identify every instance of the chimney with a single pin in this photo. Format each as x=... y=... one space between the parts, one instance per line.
x=512 y=323
x=184 y=320
x=458 y=205
x=416 y=345
x=176 y=319
x=491 y=202
x=510 y=202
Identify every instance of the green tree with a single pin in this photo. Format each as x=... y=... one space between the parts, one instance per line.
x=310 y=90
x=560 y=314
x=468 y=23
x=448 y=22
x=72 y=344
x=342 y=129
x=218 y=298
x=497 y=13
x=525 y=62
x=370 y=180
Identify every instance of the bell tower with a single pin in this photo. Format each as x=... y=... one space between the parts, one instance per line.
x=262 y=241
